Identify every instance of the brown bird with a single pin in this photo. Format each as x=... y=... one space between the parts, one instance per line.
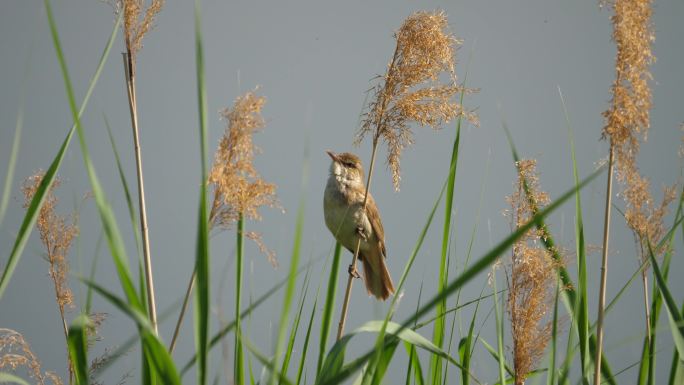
x=349 y=222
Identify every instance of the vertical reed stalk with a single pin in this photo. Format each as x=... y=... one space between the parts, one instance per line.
x=238 y=371
x=604 y=271
x=176 y=331
x=129 y=67
x=352 y=267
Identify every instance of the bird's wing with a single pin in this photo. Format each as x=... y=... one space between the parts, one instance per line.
x=376 y=223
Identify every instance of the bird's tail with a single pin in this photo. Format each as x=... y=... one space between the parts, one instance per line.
x=377 y=277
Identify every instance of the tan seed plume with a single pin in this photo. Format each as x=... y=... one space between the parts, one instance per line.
x=412 y=91
x=627 y=119
x=138 y=20
x=15 y=352
x=532 y=276
x=238 y=187
x=56 y=233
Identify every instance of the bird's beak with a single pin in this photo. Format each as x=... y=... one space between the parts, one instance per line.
x=332 y=155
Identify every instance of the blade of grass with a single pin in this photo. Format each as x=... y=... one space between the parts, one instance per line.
x=647 y=366
x=677 y=365
x=295 y=326
x=78 y=348
x=155 y=353
x=440 y=324
x=268 y=363
x=581 y=307
x=41 y=193
x=329 y=306
x=8 y=378
x=16 y=142
x=551 y=377
x=302 y=360
x=676 y=320
x=289 y=289
x=498 y=313
x=202 y=264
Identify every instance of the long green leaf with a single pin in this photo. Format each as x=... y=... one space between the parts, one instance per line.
x=295 y=326
x=289 y=289
x=49 y=177
x=154 y=350
x=439 y=329
x=202 y=260
x=78 y=348
x=677 y=365
x=581 y=306
x=16 y=143
x=329 y=307
x=676 y=319
x=302 y=360
x=7 y=378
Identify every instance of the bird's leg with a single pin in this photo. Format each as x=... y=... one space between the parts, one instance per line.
x=352 y=268
x=353 y=271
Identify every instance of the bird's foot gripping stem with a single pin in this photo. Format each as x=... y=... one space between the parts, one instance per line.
x=353 y=271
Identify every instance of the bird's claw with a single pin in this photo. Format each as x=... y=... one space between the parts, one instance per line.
x=353 y=271
x=361 y=233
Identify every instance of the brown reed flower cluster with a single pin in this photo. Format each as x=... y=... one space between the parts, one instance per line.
x=411 y=90
x=532 y=277
x=15 y=352
x=56 y=233
x=238 y=188
x=627 y=119
x=138 y=20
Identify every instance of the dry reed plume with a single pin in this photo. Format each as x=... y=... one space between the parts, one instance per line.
x=626 y=125
x=56 y=233
x=239 y=190
x=411 y=90
x=532 y=277
x=15 y=352
x=138 y=20
x=238 y=187
x=627 y=119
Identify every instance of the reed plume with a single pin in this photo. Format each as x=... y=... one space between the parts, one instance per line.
x=56 y=234
x=532 y=276
x=137 y=22
x=626 y=124
x=15 y=352
x=239 y=190
x=410 y=92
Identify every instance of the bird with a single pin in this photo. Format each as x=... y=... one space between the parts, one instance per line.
x=350 y=223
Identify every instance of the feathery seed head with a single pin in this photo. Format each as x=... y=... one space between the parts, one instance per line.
x=532 y=276
x=238 y=188
x=56 y=233
x=15 y=352
x=411 y=90
x=627 y=119
x=137 y=21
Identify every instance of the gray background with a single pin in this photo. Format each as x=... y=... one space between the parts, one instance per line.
x=313 y=62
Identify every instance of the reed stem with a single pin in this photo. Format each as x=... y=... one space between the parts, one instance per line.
x=604 y=270
x=129 y=69
x=176 y=331
x=352 y=267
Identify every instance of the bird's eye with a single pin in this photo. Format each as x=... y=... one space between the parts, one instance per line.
x=349 y=164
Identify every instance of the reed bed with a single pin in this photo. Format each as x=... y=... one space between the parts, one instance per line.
x=545 y=297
